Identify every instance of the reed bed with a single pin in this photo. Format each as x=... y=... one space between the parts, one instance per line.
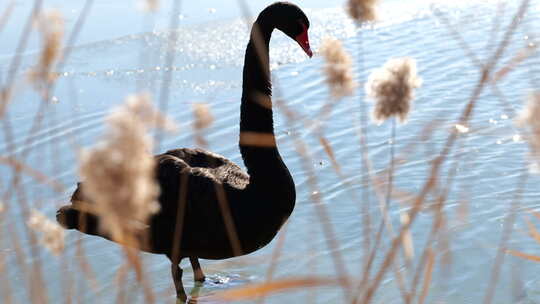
x=122 y=162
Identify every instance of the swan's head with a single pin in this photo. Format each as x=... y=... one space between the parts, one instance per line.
x=292 y=21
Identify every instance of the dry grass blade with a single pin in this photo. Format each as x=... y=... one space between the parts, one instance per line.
x=533 y=232
x=407 y=240
x=6 y=14
x=430 y=183
x=39 y=176
x=254 y=291
x=322 y=213
x=427 y=276
x=508 y=227
x=403 y=197
x=5 y=288
x=330 y=152
x=536 y=214
x=230 y=226
x=257 y=139
x=523 y=255
x=17 y=59
x=165 y=89
x=276 y=254
x=514 y=62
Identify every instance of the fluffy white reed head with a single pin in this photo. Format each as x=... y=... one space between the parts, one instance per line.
x=392 y=87
x=338 y=68
x=51 y=26
x=362 y=10
x=118 y=173
x=52 y=235
x=203 y=117
x=150 y=6
x=530 y=118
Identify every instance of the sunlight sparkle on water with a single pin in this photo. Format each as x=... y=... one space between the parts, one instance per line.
x=462 y=128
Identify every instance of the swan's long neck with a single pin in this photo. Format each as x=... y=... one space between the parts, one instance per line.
x=256 y=109
x=257 y=140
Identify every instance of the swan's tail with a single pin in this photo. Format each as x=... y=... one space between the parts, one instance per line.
x=68 y=217
x=72 y=217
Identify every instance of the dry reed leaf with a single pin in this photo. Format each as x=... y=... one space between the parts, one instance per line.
x=523 y=255
x=514 y=62
x=254 y=291
x=257 y=139
x=118 y=173
x=330 y=152
x=362 y=10
x=536 y=214
x=264 y=100
x=392 y=87
x=463 y=211
x=6 y=14
x=51 y=26
x=403 y=197
x=338 y=68
x=532 y=230
x=52 y=233
x=37 y=175
x=407 y=240
x=427 y=275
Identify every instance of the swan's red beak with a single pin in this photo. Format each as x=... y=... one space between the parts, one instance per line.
x=303 y=41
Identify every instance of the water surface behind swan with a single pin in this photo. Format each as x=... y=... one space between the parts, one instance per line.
x=117 y=56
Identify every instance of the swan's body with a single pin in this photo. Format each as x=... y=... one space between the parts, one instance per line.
x=210 y=207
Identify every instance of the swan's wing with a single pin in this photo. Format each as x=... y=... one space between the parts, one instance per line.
x=198 y=158
x=198 y=186
x=212 y=165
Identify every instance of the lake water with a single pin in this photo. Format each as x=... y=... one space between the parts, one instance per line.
x=121 y=51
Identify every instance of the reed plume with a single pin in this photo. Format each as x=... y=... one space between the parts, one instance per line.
x=362 y=10
x=392 y=86
x=203 y=117
x=530 y=118
x=118 y=173
x=52 y=235
x=51 y=27
x=148 y=5
x=338 y=68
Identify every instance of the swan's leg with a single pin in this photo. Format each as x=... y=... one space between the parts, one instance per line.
x=197 y=270
x=177 y=278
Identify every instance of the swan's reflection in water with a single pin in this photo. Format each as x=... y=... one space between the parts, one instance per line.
x=203 y=292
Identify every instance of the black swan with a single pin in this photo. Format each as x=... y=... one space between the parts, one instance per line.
x=222 y=211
